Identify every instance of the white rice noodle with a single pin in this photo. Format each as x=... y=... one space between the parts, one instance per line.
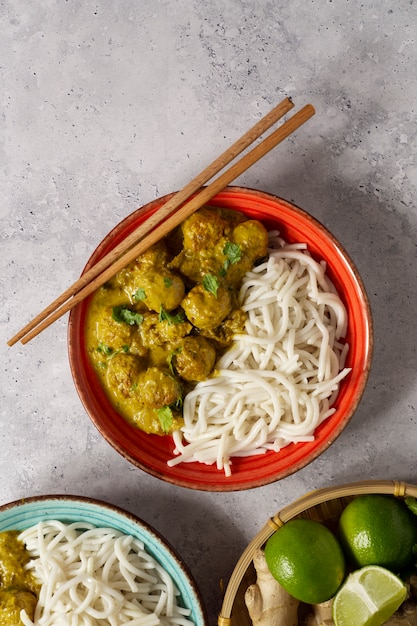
x=278 y=381
x=98 y=577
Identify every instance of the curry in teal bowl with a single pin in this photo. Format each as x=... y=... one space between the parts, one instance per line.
x=90 y=559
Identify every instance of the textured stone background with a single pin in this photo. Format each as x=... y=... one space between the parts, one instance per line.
x=108 y=105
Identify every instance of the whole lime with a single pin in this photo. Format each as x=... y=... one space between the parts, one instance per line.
x=377 y=529
x=306 y=559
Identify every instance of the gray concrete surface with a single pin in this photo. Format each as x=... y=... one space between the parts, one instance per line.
x=108 y=105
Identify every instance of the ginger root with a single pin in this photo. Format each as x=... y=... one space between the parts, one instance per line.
x=319 y=614
x=267 y=602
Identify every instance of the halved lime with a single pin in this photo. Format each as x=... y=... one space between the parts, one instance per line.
x=368 y=597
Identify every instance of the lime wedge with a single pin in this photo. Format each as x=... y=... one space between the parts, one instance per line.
x=368 y=597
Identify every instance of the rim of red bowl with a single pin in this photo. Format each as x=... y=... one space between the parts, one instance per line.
x=151 y=452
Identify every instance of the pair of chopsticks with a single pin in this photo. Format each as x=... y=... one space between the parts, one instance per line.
x=171 y=214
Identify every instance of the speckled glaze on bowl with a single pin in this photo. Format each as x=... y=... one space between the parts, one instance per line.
x=29 y=511
x=151 y=452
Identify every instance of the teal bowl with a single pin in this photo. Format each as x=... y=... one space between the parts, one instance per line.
x=29 y=511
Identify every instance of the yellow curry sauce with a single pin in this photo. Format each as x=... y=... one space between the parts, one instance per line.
x=18 y=588
x=159 y=325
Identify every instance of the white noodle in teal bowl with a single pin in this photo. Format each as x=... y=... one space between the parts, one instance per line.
x=117 y=554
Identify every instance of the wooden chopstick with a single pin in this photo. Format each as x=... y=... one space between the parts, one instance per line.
x=84 y=287
x=169 y=207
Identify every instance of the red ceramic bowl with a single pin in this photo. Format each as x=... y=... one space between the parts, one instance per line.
x=151 y=452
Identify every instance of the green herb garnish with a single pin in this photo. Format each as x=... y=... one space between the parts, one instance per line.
x=110 y=352
x=178 y=403
x=103 y=349
x=165 y=418
x=211 y=284
x=126 y=316
x=139 y=295
x=122 y=350
x=233 y=252
x=167 y=281
x=170 y=358
x=165 y=316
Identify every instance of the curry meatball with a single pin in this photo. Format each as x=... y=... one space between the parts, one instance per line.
x=252 y=238
x=12 y=602
x=122 y=373
x=155 y=256
x=18 y=587
x=224 y=334
x=113 y=335
x=203 y=229
x=204 y=309
x=147 y=419
x=158 y=388
x=194 y=359
x=111 y=296
x=110 y=332
x=202 y=232
x=156 y=333
x=161 y=288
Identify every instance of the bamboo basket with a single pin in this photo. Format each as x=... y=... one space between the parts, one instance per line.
x=324 y=505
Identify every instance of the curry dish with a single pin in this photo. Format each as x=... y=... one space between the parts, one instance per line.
x=18 y=588
x=159 y=325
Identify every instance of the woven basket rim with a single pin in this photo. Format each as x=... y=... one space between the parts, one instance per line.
x=311 y=499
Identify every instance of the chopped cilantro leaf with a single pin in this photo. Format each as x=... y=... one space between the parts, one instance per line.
x=165 y=418
x=110 y=353
x=211 y=284
x=178 y=403
x=123 y=349
x=170 y=358
x=164 y=315
x=233 y=252
x=107 y=350
x=167 y=281
x=139 y=295
x=126 y=316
